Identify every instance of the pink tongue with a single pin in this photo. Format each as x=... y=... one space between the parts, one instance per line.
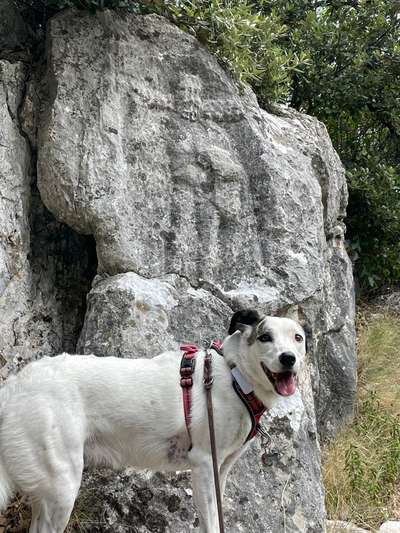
x=285 y=384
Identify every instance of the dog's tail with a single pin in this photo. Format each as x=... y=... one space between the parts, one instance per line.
x=6 y=487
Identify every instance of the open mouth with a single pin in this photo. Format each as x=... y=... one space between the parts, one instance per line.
x=284 y=383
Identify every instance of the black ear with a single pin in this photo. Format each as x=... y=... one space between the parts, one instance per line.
x=245 y=316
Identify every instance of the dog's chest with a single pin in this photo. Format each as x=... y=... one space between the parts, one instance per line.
x=177 y=449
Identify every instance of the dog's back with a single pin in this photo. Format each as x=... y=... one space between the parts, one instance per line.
x=108 y=410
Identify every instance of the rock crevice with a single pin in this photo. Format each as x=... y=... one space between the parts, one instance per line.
x=46 y=268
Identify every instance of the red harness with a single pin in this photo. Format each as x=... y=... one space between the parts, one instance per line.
x=254 y=406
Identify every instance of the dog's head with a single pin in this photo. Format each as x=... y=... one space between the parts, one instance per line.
x=268 y=350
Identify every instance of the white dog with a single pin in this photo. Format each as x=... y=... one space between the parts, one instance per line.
x=60 y=411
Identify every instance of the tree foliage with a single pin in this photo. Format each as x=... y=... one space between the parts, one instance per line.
x=352 y=84
x=336 y=59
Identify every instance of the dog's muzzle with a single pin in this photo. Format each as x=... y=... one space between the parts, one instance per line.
x=284 y=383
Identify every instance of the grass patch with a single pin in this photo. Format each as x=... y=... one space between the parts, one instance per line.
x=362 y=467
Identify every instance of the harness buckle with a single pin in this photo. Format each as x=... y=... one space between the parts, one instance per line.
x=186 y=382
x=186 y=371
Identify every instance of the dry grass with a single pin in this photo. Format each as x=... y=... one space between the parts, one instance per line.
x=362 y=467
x=17 y=517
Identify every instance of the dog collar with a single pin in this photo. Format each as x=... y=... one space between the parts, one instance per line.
x=254 y=406
x=245 y=391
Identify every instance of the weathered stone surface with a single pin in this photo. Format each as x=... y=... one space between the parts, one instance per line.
x=339 y=526
x=199 y=203
x=174 y=169
x=14 y=177
x=393 y=526
x=209 y=204
x=335 y=378
x=128 y=501
x=13 y=31
x=45 y=268
x=14 y=207
x=130 y=316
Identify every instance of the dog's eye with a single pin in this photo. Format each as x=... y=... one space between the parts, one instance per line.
x=265 y=337
x=298 y=337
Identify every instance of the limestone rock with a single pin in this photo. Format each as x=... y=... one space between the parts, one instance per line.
x=130 y=316
x=393 y=526
x=13 y=31
x=14 y=177
x=335 y=379
x=196 y=203
x=171 y=168
x=339 y=526
x=176 y=170
x=44 y=265
x=14 y=206
x=207 y=204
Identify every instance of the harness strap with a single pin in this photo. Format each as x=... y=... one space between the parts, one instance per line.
x=254 y=406
x=188 y=363
x=243 y=389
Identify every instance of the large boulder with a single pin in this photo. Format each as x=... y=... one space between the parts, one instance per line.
x=197 y=203
x=200 y=203
x=175 y=169
x=131 y=316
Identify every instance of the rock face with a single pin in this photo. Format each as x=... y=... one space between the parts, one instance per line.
x=14 y=206
x=338 y=526
x=13 y=32
x=199 y=203
x=174 y=171
x=129 y=315
x=45 y=267
x=393 y=526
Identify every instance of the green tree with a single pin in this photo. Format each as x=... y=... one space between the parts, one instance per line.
x=352 y=84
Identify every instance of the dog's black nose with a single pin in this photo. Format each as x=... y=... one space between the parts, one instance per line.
x=287 y=359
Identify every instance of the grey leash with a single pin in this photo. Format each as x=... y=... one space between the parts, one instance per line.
x=208 y=381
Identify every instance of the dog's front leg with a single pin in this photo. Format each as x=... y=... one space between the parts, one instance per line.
x=226 y=468
x=204 y=495
x=35 y=518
